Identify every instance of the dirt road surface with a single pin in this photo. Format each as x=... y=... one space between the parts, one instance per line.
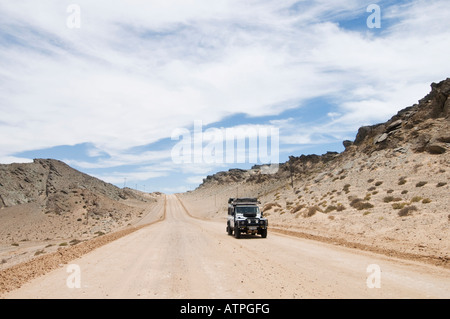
x=186 y=257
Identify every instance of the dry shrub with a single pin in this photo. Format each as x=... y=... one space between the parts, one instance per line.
x=312 y=210
x=402 y=181
x=407 y=211
x=330 y=208
x=270 y=205
x=420 y=184
x=360 y=204
x=297 y=208
x=389 y=199
x=416 y=199
x=398 y=205
x=346 y=188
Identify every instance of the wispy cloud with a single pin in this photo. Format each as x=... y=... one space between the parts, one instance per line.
x=137 y=70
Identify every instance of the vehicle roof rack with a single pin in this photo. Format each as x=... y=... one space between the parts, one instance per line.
x=243 y=200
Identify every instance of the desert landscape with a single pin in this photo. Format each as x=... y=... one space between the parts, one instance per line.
x=386 y=194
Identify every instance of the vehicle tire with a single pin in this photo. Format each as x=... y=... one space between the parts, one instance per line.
x=264 y=233
x=229 y=230
x=237 y=232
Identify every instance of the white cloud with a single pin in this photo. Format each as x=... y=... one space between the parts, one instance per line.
x=137 y=70
x=195 y=179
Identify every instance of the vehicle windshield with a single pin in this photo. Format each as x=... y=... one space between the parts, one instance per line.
x=247 y=210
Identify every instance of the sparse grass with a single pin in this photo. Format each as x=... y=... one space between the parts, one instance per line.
x=426 y=201
x=39 y=252
x=390 y=191
x=402 y=181
x=407 y=211
x=420 y=184
x=15 y=244
x=340 y=207
x=372 y=188
x=366 y=213
x=74 y=242
x=370 y=180
x=63 y=244
x=440 y=184
x=404 y=192
x=416 y=199
x=378 y=183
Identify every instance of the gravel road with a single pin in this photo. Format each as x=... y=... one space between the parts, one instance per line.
x=186 y=257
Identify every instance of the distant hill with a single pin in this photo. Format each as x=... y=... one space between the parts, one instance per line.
x=48 y=199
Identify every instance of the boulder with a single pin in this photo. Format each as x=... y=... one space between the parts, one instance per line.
x=347 y=143
x=394 y=125
x=435 y=149
x=383 y=137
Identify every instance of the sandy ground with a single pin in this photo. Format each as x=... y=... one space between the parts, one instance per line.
x=187 y=257
x=33 y=259
x=424 y=235
x=46 y=233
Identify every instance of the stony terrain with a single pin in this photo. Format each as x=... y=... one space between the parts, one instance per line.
x=387 y=192
x=46 y=204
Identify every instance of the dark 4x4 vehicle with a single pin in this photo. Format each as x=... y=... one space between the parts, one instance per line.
x=244 y=216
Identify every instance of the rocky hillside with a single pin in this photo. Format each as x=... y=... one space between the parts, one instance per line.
x=47 y=181
x=48 y=199
x=388 y=190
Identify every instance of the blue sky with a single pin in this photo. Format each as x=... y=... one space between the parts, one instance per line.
x=107 y=94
